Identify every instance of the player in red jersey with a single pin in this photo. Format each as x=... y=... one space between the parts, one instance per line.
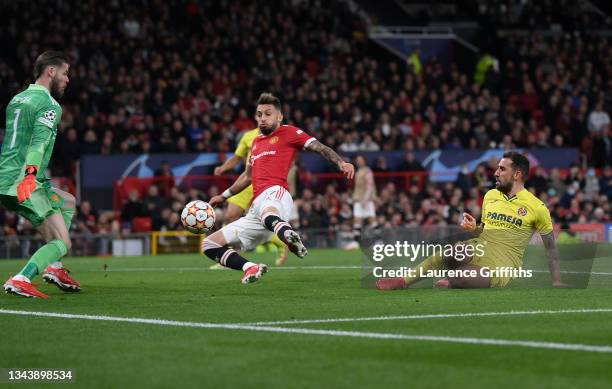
x=272 y=154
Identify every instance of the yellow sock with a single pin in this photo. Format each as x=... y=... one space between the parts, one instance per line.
x=430 y=263
x=277 y=242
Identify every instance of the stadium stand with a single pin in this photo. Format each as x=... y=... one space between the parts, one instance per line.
x=156 y=79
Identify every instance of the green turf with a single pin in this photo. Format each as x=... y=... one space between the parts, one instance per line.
x=111 y=354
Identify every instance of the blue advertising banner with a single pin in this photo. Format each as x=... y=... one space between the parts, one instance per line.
x=99 y=173
x=102 y=171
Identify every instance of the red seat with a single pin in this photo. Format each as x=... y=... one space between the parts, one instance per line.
x=130 y=184
x=142 y=224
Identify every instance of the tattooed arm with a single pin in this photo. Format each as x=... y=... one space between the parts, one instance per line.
x=553 y=259
x=333 y=157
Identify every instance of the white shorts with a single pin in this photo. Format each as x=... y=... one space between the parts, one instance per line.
x=249 y=231
x=362 y=212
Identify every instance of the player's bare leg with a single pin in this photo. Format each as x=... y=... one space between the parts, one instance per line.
x=271 y=219
x=280 y=261
x=216 y=248
x=56 y=273
x=232 y=213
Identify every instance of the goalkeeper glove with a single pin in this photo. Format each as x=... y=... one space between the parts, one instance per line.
x=28 y=185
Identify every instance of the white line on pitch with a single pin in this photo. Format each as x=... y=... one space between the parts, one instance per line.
x=433 y=316
x=307 y=331
x=313 y=267
x=205 y=268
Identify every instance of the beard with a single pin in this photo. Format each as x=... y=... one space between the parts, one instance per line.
x=504 y=188
x=56 y=90
x=267 y=130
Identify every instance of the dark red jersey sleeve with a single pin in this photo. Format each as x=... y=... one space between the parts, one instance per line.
x=298 y=138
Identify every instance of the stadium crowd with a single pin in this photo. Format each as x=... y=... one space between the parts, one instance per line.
x=160 y=80
x=182 y=76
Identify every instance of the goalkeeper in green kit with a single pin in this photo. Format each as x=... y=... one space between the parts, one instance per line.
x=32 y=117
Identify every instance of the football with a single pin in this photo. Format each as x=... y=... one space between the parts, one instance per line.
x=198 y=217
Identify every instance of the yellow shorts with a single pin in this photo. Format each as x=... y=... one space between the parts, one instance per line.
x=496 y=281
x=243 y=199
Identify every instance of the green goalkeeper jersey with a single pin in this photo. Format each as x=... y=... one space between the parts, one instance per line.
x=32 y=117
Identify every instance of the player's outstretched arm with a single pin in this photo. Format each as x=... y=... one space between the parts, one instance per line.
x=553 y=259
x=238 y=186
x=228 y=165
x=468 y=223
x=333 y=157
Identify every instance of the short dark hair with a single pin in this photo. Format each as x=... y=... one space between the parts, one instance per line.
x=49 y=58
x=519 y=162
x=269 y=98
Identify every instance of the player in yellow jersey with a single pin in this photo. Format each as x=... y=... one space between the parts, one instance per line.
x=510 y=216
x=240 y=203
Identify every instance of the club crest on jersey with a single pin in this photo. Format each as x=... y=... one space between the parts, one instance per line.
x=521 y=211
x=273 y=140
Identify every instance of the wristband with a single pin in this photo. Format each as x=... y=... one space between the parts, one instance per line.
x=227 y=194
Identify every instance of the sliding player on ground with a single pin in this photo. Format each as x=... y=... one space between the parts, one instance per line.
x=510 y=216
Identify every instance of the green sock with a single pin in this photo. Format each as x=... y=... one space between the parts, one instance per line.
x=67 y=214
x=48 y=253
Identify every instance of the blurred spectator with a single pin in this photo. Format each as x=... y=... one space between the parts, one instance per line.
x=153 y=201
x=381 y=165
x=598 y=119
x=132 y=208
x=411 y=164
x=69 y=151
x=107 y=224
x=166 y=178
x=538 y=181
x=87 y=218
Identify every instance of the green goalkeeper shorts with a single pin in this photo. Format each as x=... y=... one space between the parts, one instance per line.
x=43 y=202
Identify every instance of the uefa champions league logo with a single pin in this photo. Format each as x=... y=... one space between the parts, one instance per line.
x=50 y=115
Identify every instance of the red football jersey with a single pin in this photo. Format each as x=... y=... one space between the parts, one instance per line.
x=272 y=156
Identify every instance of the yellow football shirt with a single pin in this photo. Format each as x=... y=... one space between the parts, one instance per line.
x=243 y=199
x=244 y=146
x=509 y=223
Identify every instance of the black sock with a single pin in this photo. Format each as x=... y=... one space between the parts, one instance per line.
x=278 y=226
x=226 y=256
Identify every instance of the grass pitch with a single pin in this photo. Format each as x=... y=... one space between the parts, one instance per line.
x=326 y=285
